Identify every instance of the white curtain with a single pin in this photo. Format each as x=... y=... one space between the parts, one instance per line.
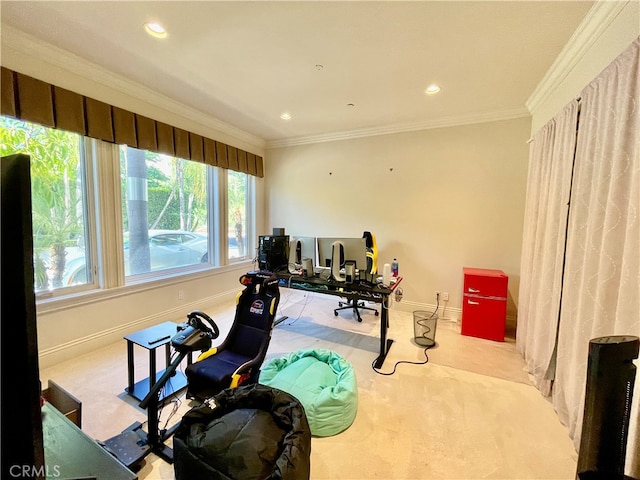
x=598 y=293
x=548 y=184
x=601 y=294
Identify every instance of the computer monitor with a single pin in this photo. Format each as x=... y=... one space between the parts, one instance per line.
x=353 y=249
x=301 y=248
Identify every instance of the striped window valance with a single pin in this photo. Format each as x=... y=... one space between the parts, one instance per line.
x=33 y=100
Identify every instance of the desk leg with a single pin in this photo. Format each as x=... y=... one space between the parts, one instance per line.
x=130 y=374
x=167 y=355
x=385 y=343
x=152 y=367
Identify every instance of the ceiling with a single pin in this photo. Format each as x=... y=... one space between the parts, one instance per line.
x=335 y=66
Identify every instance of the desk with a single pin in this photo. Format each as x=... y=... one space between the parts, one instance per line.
x=354 y=292
x=151 y=338
x=69 y=453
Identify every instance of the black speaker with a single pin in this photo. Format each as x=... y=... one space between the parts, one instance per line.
x=607 y=410
x=273 y=252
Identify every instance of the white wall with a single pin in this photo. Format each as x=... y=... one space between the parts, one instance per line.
x=438 y=200
x=86 y=324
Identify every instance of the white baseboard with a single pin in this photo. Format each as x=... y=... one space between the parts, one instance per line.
x=83 y=345
x=444 y=312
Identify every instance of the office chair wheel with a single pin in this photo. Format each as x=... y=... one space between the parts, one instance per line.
x=359 y=318
x=377 y=313
x=335 y=312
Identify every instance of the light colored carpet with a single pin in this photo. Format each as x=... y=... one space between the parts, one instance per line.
x=469 y=413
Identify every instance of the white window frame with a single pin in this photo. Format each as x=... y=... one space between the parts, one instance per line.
x=101 y=177
x=88 y=195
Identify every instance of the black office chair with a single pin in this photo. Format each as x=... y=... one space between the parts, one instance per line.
x=238 y=358
x=372 y=269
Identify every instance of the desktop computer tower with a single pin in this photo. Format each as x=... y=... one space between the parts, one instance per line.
x=609 y=392
x=273 y=252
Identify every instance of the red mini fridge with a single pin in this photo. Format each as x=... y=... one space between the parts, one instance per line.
x=484 y=303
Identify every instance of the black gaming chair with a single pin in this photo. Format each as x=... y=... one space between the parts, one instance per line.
x=239 y=357
x=372 y=269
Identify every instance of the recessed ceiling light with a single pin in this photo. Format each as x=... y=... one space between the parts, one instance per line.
x=285 y=116
x=155 y=30
x=431 y=89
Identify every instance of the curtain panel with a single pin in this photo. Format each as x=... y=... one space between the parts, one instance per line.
x=548 y=190
x=33 y=100
x=601 y=294
x=580 y=265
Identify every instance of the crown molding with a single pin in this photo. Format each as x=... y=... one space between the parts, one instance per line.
x=15 y=41
x=586 y=35
x=442 y=122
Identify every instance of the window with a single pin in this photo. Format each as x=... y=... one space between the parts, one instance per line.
x=164 y=212
x=238 y=211
x=58 y=195
x=177 y=215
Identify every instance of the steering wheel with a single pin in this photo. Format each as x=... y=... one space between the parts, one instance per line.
x=196 y=320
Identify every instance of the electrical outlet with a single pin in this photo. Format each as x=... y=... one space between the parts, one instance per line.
x=445 y=296
x=180 y=295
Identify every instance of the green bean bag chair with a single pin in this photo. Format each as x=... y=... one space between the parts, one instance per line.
x=323 y=382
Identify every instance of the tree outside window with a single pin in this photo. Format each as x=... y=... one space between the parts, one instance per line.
x=164 y=206
x=57 y=190
x=237 y=202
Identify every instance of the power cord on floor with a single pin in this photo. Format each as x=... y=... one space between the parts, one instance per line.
x=408 y=361
x=307 y=300
x=402 y=361
x=169 y=398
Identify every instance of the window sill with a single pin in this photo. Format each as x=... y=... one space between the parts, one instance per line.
x=86 y=297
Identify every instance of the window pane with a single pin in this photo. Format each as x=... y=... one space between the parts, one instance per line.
x=237 y=201
x=164 y=211
x=61 y=250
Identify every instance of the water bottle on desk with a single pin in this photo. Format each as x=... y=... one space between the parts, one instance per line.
x=394 y=268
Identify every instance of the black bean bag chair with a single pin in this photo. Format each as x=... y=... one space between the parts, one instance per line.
x=252 y=432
